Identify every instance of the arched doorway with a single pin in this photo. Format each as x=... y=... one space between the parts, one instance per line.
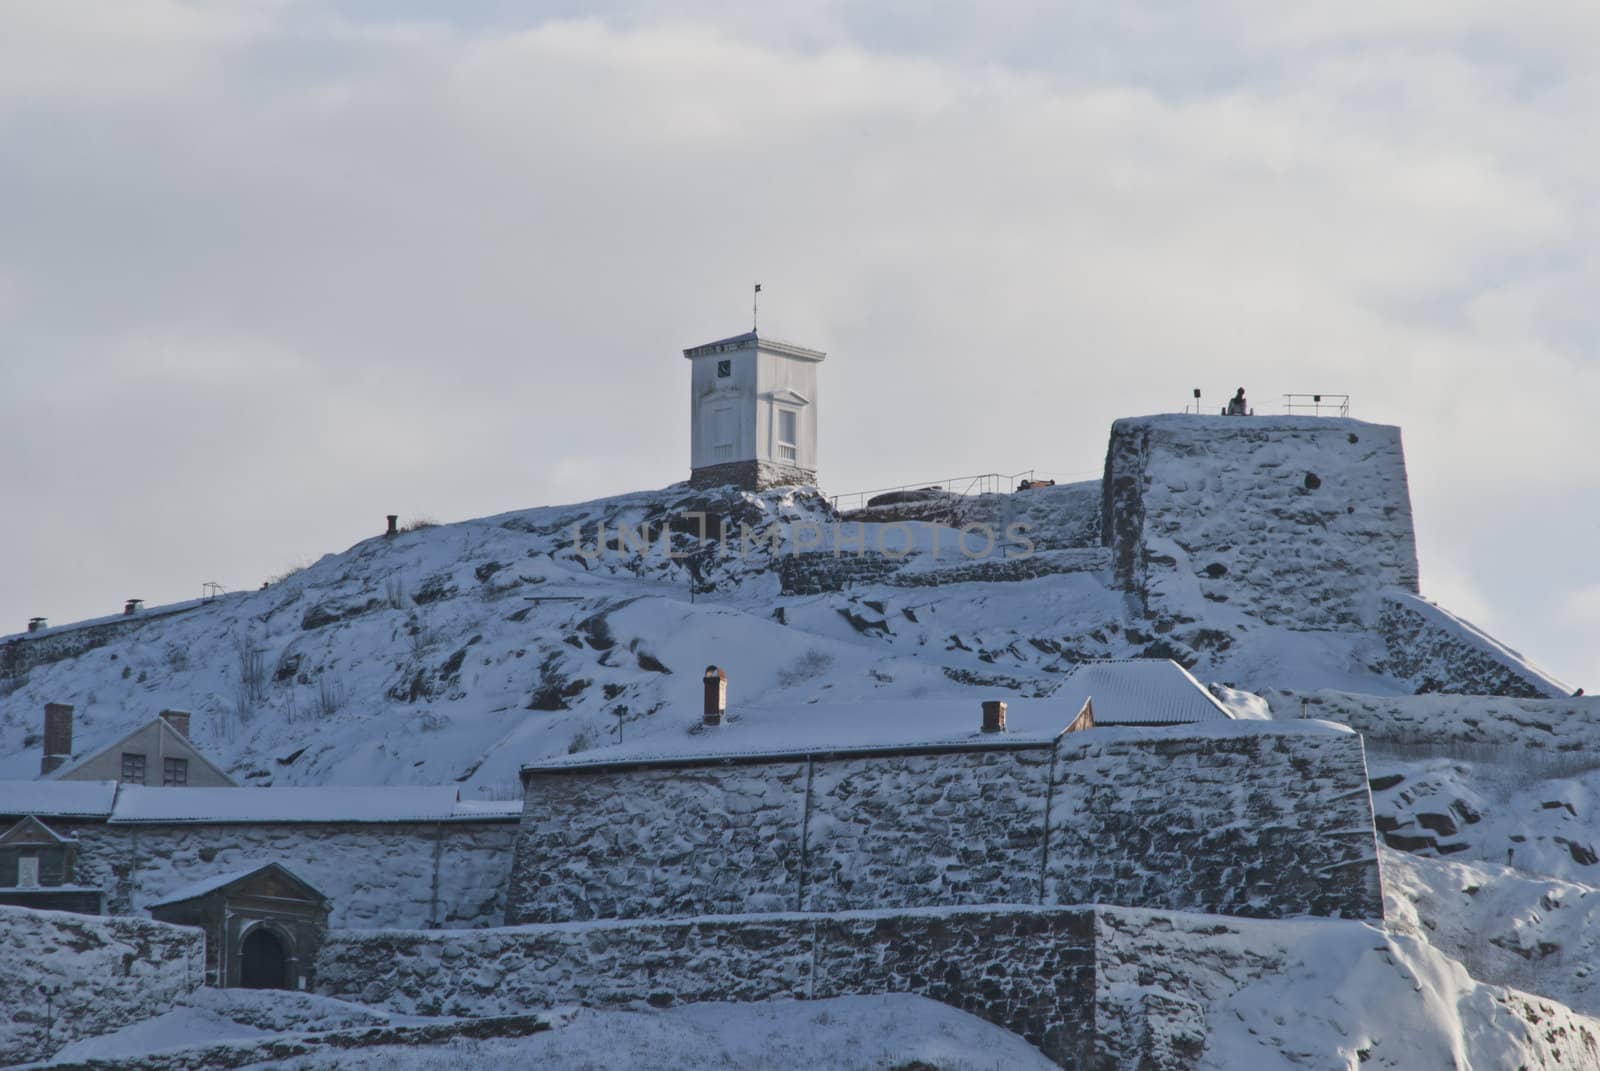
x=263 y=963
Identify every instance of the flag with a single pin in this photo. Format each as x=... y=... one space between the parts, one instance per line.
x=758 y=288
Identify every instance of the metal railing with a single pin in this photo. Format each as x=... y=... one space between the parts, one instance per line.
x=986 y=483
x=1317 y=404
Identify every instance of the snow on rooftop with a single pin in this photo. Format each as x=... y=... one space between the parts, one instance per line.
x=1139 y=691
x=59 y=799
x=415 y=803
x=204 y=885
x=885 y=725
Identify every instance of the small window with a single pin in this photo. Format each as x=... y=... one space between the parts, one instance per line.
x=132 y=768
x=788 y=419
x=28 y=872
x=724 y=369
x=174 y=772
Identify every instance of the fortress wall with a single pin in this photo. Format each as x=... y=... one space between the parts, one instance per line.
x=1254 y=819
x=1264 y=824
x=1298 y=521
x=925 y=830
x=1028 y=970
x=107 y=973
x=659 y=843
x=409 y=875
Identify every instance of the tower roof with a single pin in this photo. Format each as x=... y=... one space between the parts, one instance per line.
x=750 y=340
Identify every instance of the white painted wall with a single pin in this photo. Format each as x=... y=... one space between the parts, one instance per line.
x=762 y=382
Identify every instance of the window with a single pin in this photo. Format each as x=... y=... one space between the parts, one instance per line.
x=722 y=434
x=132 y=768
x=28 y=872
x=724 y=369
x=174 y=772
x=788 y=420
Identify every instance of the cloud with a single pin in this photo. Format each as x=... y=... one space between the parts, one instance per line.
x=327 y=266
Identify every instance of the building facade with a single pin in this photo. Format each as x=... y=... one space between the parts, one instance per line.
x=753 y=413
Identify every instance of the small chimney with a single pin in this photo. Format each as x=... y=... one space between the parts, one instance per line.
x=994 y=716
x=178 y=719
x=132 y=606
x=37 y=624
x=57 y=737
x=394 y=525
x=716 y=695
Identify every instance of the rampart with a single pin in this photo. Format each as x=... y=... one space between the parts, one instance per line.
x=1297 y=521
x=1258 y=819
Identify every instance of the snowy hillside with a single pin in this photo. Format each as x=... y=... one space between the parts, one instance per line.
x=457 y=653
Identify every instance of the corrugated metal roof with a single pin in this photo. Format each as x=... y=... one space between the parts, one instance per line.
x=416 y=803
x=58 y=799
x=1140 y=691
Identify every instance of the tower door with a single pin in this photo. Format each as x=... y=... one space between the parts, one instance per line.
x=263 y=963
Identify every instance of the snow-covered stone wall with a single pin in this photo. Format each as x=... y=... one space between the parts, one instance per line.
x=991 y=962
x=1258 y=824
x=1439 y=652
x=72 y=976
x=1247 y=818
x=415 y=875
x=1296 y=521
x=660 y=843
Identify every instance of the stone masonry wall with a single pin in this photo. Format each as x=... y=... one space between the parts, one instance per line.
x=659 y=843
x=1028 y=970
x=1255 y=820
x=1264 y=825
x=378 y=875
x=1295 y=520
x=108 y=972
x=926 y=830
x=1438 y=654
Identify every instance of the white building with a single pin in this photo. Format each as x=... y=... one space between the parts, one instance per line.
x=753 y=413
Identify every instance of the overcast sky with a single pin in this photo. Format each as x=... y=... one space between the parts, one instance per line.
x=269 y=271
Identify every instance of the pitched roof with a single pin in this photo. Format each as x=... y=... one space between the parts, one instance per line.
x=761 y=734
x=58 y=799
x=411 y=803
x=195 y=890
x=1140 y=691
x=29 y=824
x=185 y=745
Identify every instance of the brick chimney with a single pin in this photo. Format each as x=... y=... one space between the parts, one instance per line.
x=994 y=716
x=394 y=525
x=132 y=606
x=716 y=695
x=57 y=737
x=37 y=624
x=178 y=719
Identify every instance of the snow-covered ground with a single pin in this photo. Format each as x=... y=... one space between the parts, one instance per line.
x=892 y=1031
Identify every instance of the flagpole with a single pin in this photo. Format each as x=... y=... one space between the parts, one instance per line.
x=754 y=298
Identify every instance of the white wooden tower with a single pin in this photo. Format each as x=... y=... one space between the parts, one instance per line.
x=753 y=413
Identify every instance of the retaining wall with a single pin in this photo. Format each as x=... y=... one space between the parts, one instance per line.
x=106 y=973
x=1249 y=818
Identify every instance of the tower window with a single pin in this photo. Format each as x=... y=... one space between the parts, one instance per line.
x=724 y=369
x=788 y=422
x=132 y=768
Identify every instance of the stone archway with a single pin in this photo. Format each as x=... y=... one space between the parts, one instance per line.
x=263 y=960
